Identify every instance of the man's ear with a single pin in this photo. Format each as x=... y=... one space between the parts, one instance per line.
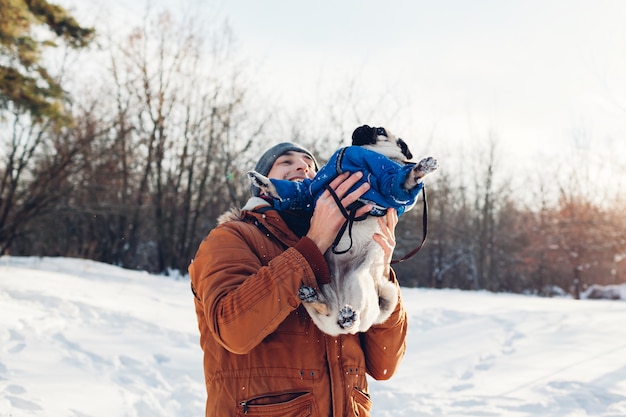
x=364 y=135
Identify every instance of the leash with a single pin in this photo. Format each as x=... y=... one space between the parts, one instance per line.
x=424 y=232
x=351 y=218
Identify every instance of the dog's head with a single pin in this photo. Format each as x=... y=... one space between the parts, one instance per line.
x=380 y=140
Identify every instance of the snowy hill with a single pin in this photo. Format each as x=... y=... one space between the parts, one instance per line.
x=84 y=339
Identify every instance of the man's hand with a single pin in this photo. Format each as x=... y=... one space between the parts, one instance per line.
x=327 y=217
x=387 y=237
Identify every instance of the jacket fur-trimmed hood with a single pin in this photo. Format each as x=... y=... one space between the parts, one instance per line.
x=229 y=216
x=235 y=213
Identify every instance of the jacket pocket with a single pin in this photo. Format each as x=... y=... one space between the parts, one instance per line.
x=296 y=404
x=361 y=403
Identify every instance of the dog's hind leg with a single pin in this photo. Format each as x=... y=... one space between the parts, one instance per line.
x=387 y=300
x=325 y=312
x=309 y=296
x=348 y=317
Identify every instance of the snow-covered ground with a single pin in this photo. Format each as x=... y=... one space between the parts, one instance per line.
x=85 y=339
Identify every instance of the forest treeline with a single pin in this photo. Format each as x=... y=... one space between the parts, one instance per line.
x=154 y=148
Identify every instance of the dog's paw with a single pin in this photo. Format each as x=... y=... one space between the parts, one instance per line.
x=264 y=184
x=428 y=165
x=347 y=317
x=307 y=294
x=314 y=303
x=419 y=171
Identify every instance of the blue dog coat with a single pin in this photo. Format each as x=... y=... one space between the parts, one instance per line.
x=385 y=176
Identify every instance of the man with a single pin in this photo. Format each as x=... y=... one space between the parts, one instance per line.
x=262 y=353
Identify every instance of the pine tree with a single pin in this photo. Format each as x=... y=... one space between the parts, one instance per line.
x=25 y=83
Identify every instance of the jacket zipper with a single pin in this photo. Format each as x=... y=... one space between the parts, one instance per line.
x=246 y=403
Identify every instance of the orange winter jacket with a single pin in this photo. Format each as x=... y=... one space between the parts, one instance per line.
x=263 y=355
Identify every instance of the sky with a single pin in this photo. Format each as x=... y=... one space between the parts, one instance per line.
x=85 y=339
x=545 y=78
x=532 y=72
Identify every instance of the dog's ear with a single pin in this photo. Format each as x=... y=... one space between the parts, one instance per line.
x=405 y=149
x=364 y=135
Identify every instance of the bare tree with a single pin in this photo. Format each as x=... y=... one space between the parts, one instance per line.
x=181 y=128
x=38 y=160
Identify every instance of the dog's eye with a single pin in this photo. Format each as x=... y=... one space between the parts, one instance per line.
x=380 y=131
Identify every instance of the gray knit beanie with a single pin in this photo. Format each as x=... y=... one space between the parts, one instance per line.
x=266 y=161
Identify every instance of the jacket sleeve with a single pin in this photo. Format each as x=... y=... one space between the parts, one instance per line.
x=292 y=195
x=384 y=344
x=242 y=300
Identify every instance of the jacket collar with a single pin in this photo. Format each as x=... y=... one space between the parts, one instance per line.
x=259 y=211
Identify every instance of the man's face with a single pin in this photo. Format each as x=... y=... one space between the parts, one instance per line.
x=293 y=166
